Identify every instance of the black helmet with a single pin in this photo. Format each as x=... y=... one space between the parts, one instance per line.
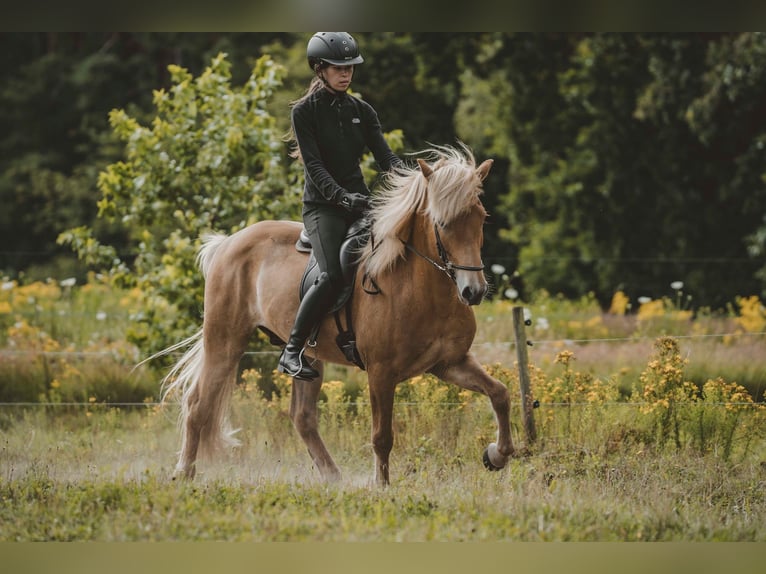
x=335 y=48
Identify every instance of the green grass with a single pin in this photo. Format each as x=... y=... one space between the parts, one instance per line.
x=619 y=467
x=107 y=477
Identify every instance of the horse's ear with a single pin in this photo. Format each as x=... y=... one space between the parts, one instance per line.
x=483 y=169
x=425 y=168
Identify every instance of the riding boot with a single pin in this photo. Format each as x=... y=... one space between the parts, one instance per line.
x=310 y=313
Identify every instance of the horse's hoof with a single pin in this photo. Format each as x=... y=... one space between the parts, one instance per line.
x=491 y=453
x=488 y=463
x=184 y=474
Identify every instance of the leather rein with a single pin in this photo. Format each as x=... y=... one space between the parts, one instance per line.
x=447 y=267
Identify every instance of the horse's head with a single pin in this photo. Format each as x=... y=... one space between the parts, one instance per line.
x=445 y=199
x=454 y=206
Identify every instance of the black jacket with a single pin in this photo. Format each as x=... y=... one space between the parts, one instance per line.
x=333 y=132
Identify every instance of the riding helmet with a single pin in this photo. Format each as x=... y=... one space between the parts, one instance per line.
x=334 y=48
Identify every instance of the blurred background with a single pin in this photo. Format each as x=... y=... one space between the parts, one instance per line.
x=623 y=162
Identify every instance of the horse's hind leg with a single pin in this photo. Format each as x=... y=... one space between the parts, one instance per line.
x=303 y=412
x=469 y=374
x=205 y=421
x=205 y=426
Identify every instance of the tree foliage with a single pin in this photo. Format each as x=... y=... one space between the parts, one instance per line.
x=636 y=160
x=212 y=159
x=622 y=161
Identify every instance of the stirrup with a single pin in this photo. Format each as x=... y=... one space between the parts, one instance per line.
x=281 y=368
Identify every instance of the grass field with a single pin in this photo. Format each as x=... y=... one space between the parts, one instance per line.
x=107 y=477
x=109 y=480
x=641 y=438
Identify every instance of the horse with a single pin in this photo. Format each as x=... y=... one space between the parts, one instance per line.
x=424 y=259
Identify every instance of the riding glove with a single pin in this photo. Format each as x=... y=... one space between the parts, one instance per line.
x=354 y=202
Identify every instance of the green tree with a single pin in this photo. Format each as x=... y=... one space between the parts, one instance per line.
x=634 y=159
x=729 y=118
x=705 y=107
x=56 y=91
x=211 y=159
x=511 y=109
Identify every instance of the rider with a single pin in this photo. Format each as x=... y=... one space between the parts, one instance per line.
x=332 y=129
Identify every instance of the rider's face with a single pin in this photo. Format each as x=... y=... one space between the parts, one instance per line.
x=338 y=77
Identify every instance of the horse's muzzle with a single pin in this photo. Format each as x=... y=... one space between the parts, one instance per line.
x=472 y=295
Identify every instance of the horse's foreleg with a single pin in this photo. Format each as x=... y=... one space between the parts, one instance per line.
x=470 y=375
x=303 y=412
x=382 y=401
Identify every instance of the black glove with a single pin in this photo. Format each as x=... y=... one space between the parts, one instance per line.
x=354 y=202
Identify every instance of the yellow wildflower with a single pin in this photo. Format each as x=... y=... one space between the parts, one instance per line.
x=620 y=303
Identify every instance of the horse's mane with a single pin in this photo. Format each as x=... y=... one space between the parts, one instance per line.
x=450 y=191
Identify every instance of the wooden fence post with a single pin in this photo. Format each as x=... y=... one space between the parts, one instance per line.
x=527 y=403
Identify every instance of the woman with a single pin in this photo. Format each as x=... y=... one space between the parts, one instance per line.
x=332 y=129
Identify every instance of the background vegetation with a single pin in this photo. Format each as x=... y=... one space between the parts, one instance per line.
x=623 y=161
x=635 y=452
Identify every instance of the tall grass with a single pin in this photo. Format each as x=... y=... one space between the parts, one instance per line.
x=62 y=343
x=107 y=476
x=65 y=342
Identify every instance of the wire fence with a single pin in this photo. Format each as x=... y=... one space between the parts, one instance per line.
x=561 y=341
x=155 y=404
x=564 y=341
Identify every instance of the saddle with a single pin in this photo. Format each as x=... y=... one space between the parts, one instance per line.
x=357 y=236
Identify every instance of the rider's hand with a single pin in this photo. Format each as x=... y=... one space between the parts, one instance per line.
x=354 y=202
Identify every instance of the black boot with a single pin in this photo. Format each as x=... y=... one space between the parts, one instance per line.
x=311 y=310
x=293 y=363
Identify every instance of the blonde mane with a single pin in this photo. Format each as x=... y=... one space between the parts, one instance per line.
x=450 y=191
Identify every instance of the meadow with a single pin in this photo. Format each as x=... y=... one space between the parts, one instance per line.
x=651 y=427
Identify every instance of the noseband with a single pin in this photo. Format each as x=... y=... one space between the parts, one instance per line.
x=448 y=267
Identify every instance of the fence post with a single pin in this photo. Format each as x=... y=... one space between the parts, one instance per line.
x=527 y=405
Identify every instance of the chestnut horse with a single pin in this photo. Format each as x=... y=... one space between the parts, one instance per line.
x=425 y=259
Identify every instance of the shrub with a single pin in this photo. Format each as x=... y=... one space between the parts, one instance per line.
x=212 y=159
x=662 y=389
x=726 y=416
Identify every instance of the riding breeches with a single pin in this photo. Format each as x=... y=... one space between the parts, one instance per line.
x=326 y=226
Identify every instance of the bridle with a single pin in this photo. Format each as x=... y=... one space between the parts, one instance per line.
x=448 y=266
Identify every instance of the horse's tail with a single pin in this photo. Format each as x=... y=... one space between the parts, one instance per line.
x=210 y=244
x=184 y=382
x=183 y=376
